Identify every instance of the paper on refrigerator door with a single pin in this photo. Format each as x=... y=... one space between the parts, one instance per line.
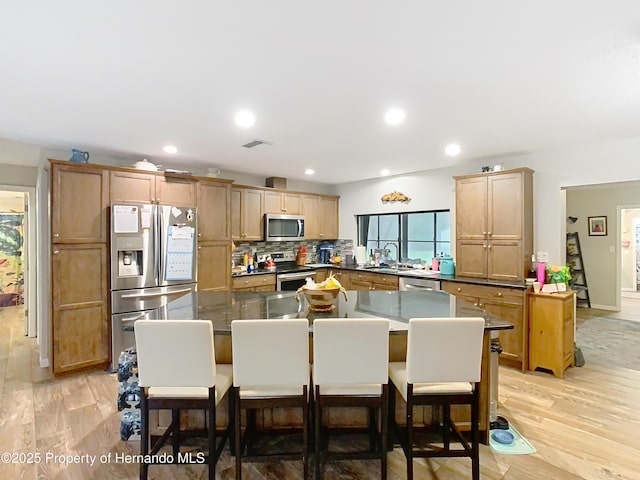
x=125 y=219
x=179 y=260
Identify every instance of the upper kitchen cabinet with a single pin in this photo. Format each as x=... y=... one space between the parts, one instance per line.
x=282 y=202
x=320 y=217
x=79 y=203
x=494 y=224
x=134 y=187
x=246 y=214
x=214 y=207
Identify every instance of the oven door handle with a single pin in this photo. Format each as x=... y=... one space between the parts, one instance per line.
x=295 y=276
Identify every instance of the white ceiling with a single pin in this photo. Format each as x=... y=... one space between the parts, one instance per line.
x=496 y=76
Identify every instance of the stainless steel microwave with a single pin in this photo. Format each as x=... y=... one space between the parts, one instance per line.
x=278 y=228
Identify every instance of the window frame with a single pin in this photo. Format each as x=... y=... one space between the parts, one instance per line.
x=403 y=231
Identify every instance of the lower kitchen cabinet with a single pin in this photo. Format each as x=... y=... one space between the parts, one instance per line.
x=254 y=283
x=508 y=304
x=80 y=322
x=372 y=281
x=340 y=275
x=551 y=331
x=214 y=261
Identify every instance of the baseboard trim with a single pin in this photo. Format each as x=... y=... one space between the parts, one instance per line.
x=605 y=307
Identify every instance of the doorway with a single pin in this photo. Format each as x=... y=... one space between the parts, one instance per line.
x=630 y=252
x=17 y=252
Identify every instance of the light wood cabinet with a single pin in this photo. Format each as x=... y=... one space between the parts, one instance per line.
x=282 y=202
x=372 y=281
x=214 y=264
x=79 y=204
x=321 y=217
x=151 y=187
x=79 y=273
x=247 y=222
x=508 y=304
x=214 y=208
x=254 y=283
x=80 y=326
x=551 y=331
x=343 y=276
x=494 y=225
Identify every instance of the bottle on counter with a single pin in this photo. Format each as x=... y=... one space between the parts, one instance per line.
x=532 y=269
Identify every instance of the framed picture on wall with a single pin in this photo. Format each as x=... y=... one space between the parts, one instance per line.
x=597 y=226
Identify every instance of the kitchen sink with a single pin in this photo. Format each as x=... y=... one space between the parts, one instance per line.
x=404 y=271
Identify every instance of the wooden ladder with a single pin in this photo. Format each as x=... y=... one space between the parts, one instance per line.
x=576 y=265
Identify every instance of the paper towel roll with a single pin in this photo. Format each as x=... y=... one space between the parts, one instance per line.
x=361 y=255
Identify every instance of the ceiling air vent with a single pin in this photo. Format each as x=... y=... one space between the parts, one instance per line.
x=256 y=142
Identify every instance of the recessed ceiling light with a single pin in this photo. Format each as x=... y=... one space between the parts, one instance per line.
x=309 y=171
x=452 y=149
x=384 y=172
x=170 y=149
x=394 y=116
x=245 y=119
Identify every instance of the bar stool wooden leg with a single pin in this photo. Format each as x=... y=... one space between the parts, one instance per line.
x=238 y=432
x=144 y=434
x=409 y=448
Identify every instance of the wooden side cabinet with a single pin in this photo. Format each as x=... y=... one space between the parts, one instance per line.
x=551 y=331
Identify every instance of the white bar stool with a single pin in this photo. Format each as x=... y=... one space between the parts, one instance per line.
x=270 y=369
x=442 y=368
x=350 y=368
x=177 y=370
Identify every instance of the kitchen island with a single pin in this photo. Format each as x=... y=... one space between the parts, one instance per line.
x=222 y=308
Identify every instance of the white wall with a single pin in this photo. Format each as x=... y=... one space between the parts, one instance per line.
x=629 y=218
x=555 y=170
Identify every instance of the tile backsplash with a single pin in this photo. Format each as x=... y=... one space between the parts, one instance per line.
x=264 y=248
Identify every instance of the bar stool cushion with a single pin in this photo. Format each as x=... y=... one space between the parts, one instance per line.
x=223 y=381
x=398 y=375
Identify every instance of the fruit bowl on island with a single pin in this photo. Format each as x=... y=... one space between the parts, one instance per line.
x=322 y=297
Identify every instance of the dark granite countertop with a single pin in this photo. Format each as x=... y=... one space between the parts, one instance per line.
x=223 y=307
x=401 y=273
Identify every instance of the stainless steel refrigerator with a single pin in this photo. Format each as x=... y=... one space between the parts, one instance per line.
x=153 y=260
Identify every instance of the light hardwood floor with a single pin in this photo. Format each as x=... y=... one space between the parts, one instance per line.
x=584 y=426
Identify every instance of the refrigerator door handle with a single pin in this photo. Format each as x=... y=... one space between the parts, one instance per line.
x=132 y=319
x=159 y=253
x=159 y=294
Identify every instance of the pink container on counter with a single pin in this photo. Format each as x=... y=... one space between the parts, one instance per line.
x=542 y=272
x=435 y=264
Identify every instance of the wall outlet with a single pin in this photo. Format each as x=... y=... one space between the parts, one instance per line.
x=612 y=248
x=542 y=257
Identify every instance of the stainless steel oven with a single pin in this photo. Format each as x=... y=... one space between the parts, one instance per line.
x=294 y=280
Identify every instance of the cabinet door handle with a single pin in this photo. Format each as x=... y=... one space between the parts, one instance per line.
x=56 y=252
x=475 y=304
x=481 y=305
x=199 y=235
x=484 y=245
x=459 y=289
x=56 y=235
x=489 y=246
x=488 y=233
x=484 y=233
x=199 y=248
x=499 y=294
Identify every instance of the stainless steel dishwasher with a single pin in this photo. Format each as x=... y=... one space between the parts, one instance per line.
x=410 y=284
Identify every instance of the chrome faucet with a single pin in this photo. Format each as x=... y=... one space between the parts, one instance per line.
x=397 y=252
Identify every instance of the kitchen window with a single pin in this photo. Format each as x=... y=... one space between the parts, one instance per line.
x=419 y=235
